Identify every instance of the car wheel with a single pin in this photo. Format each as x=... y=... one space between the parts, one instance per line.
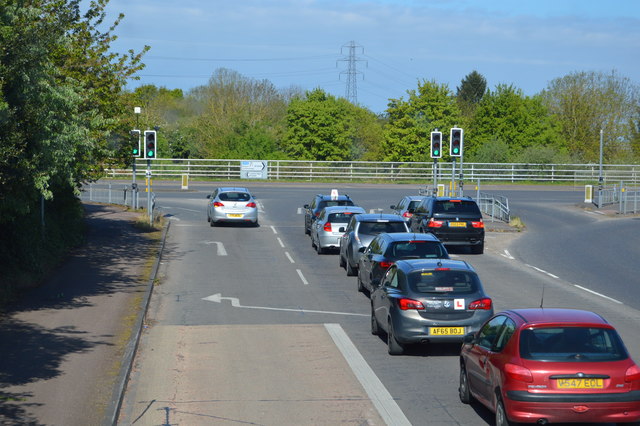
x=313 y=243
x=342 y=262
x=307 y=231
x=393 y=346
x=212 y=223
x=350 y=270
x=477 y=249
x=375 y=328
x=463 y=388
x=501 y=415
x=319 y=249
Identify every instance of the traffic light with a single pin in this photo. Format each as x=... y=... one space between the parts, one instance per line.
x=135 y=149
x=150 y=144
x=436 y=144
x=455 y=148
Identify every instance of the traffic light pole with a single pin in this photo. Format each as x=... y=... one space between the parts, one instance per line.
x=148 y=175
x=435 y=177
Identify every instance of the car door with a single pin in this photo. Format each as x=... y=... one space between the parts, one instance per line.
x=380 y=298
x=366 y=262
x=478 y=363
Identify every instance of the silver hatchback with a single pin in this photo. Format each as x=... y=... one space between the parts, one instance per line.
x=232 y=204
x=428 y=301
x=331 y=223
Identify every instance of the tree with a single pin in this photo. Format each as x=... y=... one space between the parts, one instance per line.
x=470 y=92
x=319 y=127
x=585 y=102
x=410 y=123
x=522 y=123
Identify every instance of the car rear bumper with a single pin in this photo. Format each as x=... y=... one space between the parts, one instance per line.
x=522 y=406
x=417 y=330
x=232 y=216
x=329 y=241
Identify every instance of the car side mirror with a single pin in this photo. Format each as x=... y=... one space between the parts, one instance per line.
x=306 y=206
x=392 y=207
x=469 y=338
x=362 y=249
x=208 y=195
x=342 y=229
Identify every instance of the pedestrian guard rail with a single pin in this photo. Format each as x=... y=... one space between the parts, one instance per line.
x=220 y=169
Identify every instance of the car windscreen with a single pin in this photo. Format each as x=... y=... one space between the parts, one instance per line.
x=417 y=250
x=571 y=344
x=444 y=281
x=333 y=203
x=375 y=228
x=456 y=207
x=234 y=196
x=343 y=217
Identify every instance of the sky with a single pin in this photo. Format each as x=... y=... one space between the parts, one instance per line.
x=399 y=43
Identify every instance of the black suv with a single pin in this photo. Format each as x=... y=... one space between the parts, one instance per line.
x=455 y=221
x=319 y=202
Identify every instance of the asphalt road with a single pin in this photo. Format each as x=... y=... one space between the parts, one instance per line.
x=239 y=325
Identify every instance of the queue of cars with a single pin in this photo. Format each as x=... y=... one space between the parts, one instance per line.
x=534 y=365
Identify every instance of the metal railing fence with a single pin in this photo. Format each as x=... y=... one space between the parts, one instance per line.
x=218 y=169
x=118 y=194
x=626 y=198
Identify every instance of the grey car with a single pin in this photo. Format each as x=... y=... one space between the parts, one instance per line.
x=386 y=249
x=331 y=223
x=232 y=204
x=361 y=231
x=423 y=301
x=406 y=205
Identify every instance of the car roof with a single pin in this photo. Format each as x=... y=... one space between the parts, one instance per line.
x=532 y=316
x=408 y=236
x=326 y=197
x=372 y=217
x=233 y=189
x=337 y=209
x=465 y=198
x=415 y=197
x=409 y=265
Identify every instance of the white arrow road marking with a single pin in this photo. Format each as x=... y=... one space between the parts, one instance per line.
x=508 y=255
x=235 y=302
x=220 y=247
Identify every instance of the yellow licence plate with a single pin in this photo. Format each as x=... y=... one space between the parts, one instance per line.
x=234 y=214
x=580 y=384
x=458 y=224
x=446 y=331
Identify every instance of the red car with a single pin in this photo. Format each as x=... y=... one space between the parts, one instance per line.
x=550 y=366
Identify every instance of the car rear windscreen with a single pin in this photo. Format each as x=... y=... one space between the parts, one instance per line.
x=443 y=282
x=417 y=250
x=457 y=207
x=375 y=228
x=340 y=217
x=234 y=196
x=571 y=344
x=333 y=203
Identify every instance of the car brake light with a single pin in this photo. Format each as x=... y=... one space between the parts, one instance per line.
x=481 y=304
x=327 y=227
x=218 y=204
x=478 y=224
x=455 y=201
x=252 y=205
x=385 y=265
x=406 y=214
x=406 y=304
x=435 y=223
x=632 y=374
x=518 y=372
x=443 y=269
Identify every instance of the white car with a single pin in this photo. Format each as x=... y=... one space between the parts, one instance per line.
x=234 y=205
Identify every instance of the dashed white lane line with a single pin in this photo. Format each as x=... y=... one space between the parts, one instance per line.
x=598 y=294
x=542 y=271
x=286 y=253
x=274 y=229
x=281 y=243
x=304 y=280
x=379 y=395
